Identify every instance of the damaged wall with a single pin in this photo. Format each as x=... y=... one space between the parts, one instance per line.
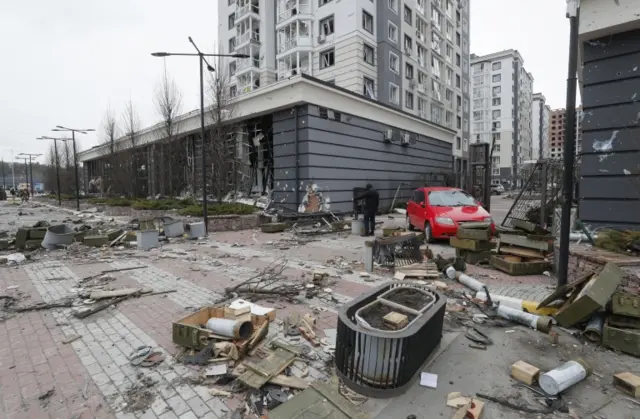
x=338 y=152
x=610 y=169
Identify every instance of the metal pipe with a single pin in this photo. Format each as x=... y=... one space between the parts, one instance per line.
x=541 y=323
x=55 y=147
x=466 y=280
x=75 y=164
x=205 y=216
x=235 y=329
x=593 y=331
x=573 y=11
x=31 y=173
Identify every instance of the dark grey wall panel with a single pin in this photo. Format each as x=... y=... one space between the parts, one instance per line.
x=619 y=116
x=621 y=140
x=611 y=46
x=613 y=93
x=610 y=164
x=374 y=164
x=616 y=68
x=610 y=187
x=610 y=210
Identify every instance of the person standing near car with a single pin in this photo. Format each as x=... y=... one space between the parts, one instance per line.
x=371 y=201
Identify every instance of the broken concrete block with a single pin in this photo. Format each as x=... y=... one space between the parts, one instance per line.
x=525 y=373
x=196 y=230
x=96 y=241
x=147 y=239
x=396 y=320
x=173 y=228
x=593 y=296
x=21 y=237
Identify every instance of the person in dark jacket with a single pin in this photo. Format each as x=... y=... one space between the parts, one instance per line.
x=371 y=201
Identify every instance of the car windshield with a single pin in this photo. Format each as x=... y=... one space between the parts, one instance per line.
x=451 y=199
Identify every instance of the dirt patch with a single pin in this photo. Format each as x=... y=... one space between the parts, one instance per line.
x=374 y=314
x=140 y=396
x=410 y=297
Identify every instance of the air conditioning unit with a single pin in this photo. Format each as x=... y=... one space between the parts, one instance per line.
x=322 y=38
x=406 y=139
x=388 y=135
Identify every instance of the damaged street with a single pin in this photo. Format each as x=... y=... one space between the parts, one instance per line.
x=245 y=324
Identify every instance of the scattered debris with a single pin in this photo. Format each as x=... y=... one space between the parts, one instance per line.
x=71 y=339
x=428 y=380
x=525 y=373
x=563 y=377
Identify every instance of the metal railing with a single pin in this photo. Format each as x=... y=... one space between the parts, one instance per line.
x=244 y=63
x=247 y=36
x=296 y=9
x=244 y=10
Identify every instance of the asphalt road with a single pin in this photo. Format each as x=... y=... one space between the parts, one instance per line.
x=499 y=208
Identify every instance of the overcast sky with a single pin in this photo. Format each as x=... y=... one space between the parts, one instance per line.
x=66 y=62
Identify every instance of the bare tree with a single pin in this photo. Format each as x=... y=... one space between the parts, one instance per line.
x=223 y=143
x=129 y=147
x=168 y=103
x=111 y=178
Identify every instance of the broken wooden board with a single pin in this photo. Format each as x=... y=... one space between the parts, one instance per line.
x=522 y=252
x=318 y=401
x=279 y=380
x=100 y=295
x=259 y=374
x=562 y=291
x=523 y=241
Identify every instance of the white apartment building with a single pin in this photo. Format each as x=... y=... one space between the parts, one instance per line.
x=409 y=54
x=540 y=113
x=501 y=111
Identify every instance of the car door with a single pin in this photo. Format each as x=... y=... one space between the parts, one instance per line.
x=419 y=217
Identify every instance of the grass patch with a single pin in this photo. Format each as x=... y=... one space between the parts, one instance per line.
x=218 y=209
x=63 y=197
x=617 y=241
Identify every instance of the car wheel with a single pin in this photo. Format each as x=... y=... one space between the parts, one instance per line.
x=408 y=224
x=428 y=236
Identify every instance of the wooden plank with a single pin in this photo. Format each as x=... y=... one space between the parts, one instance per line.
x=522 y=252
x=473 y=245
x=524 y=242
x=269 y=367
x=100 y=295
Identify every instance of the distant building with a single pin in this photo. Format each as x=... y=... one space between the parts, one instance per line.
x=557 y=130
x=501 y=98
x=540 y=113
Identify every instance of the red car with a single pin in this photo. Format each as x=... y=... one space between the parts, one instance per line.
x=439 y=211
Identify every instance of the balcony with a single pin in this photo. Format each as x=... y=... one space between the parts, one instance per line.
x=291 y=8
x=249 y=37
x=289 y=44
x=246 y=10
x=245 y=64
x=286 y=72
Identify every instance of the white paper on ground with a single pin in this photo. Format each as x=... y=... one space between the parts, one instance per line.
x=218 y=369
x=255 y=309
x=428 y=380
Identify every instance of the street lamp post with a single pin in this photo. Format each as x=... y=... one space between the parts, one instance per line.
x=73 y=131
x=55 y=147
x=201 y=58
x=31 y=156
x=26 y=171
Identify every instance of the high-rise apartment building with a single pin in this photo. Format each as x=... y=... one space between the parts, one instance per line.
x=410 y=54
x=501 y=111
x=556 y=132
x=540 y=113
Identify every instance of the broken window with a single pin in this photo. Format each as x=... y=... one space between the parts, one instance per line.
x=369 y=54
x=369 y=88
x=327 y=58
x=326 y=26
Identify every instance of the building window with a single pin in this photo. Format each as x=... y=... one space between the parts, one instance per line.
x=323 y=2
x=232 y=68
x=408 y=71
x=327 y=58
x=496 y=101
x=232 y=20
x=326 y=26
x=231 y=2
x=458 y=143
x=458 y=60
x=458 y=122
x=367 y=22
x=408 y=44
x=449 y=76
x=496 y=90
x=458 y=81
x=393 y=5
x=233 y=91
x=495 y=125
x=369 y=88
x=232 y=44
x=394 y=94
x=458 y=38
x=496 y=78
x=393 y=33
x=408 y=15
x=394 y=63
x=369 y=54
x=448 y=95
x=497 y=148
x=496 y=66
x=408 y=100
x=496 y=114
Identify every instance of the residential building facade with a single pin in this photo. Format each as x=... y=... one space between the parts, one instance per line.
x=609 y=75
x=557 y=130
x=540 y=113
x=501 y=105
x=412 y=55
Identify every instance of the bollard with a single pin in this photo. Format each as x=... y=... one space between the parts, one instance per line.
x=368 y=256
